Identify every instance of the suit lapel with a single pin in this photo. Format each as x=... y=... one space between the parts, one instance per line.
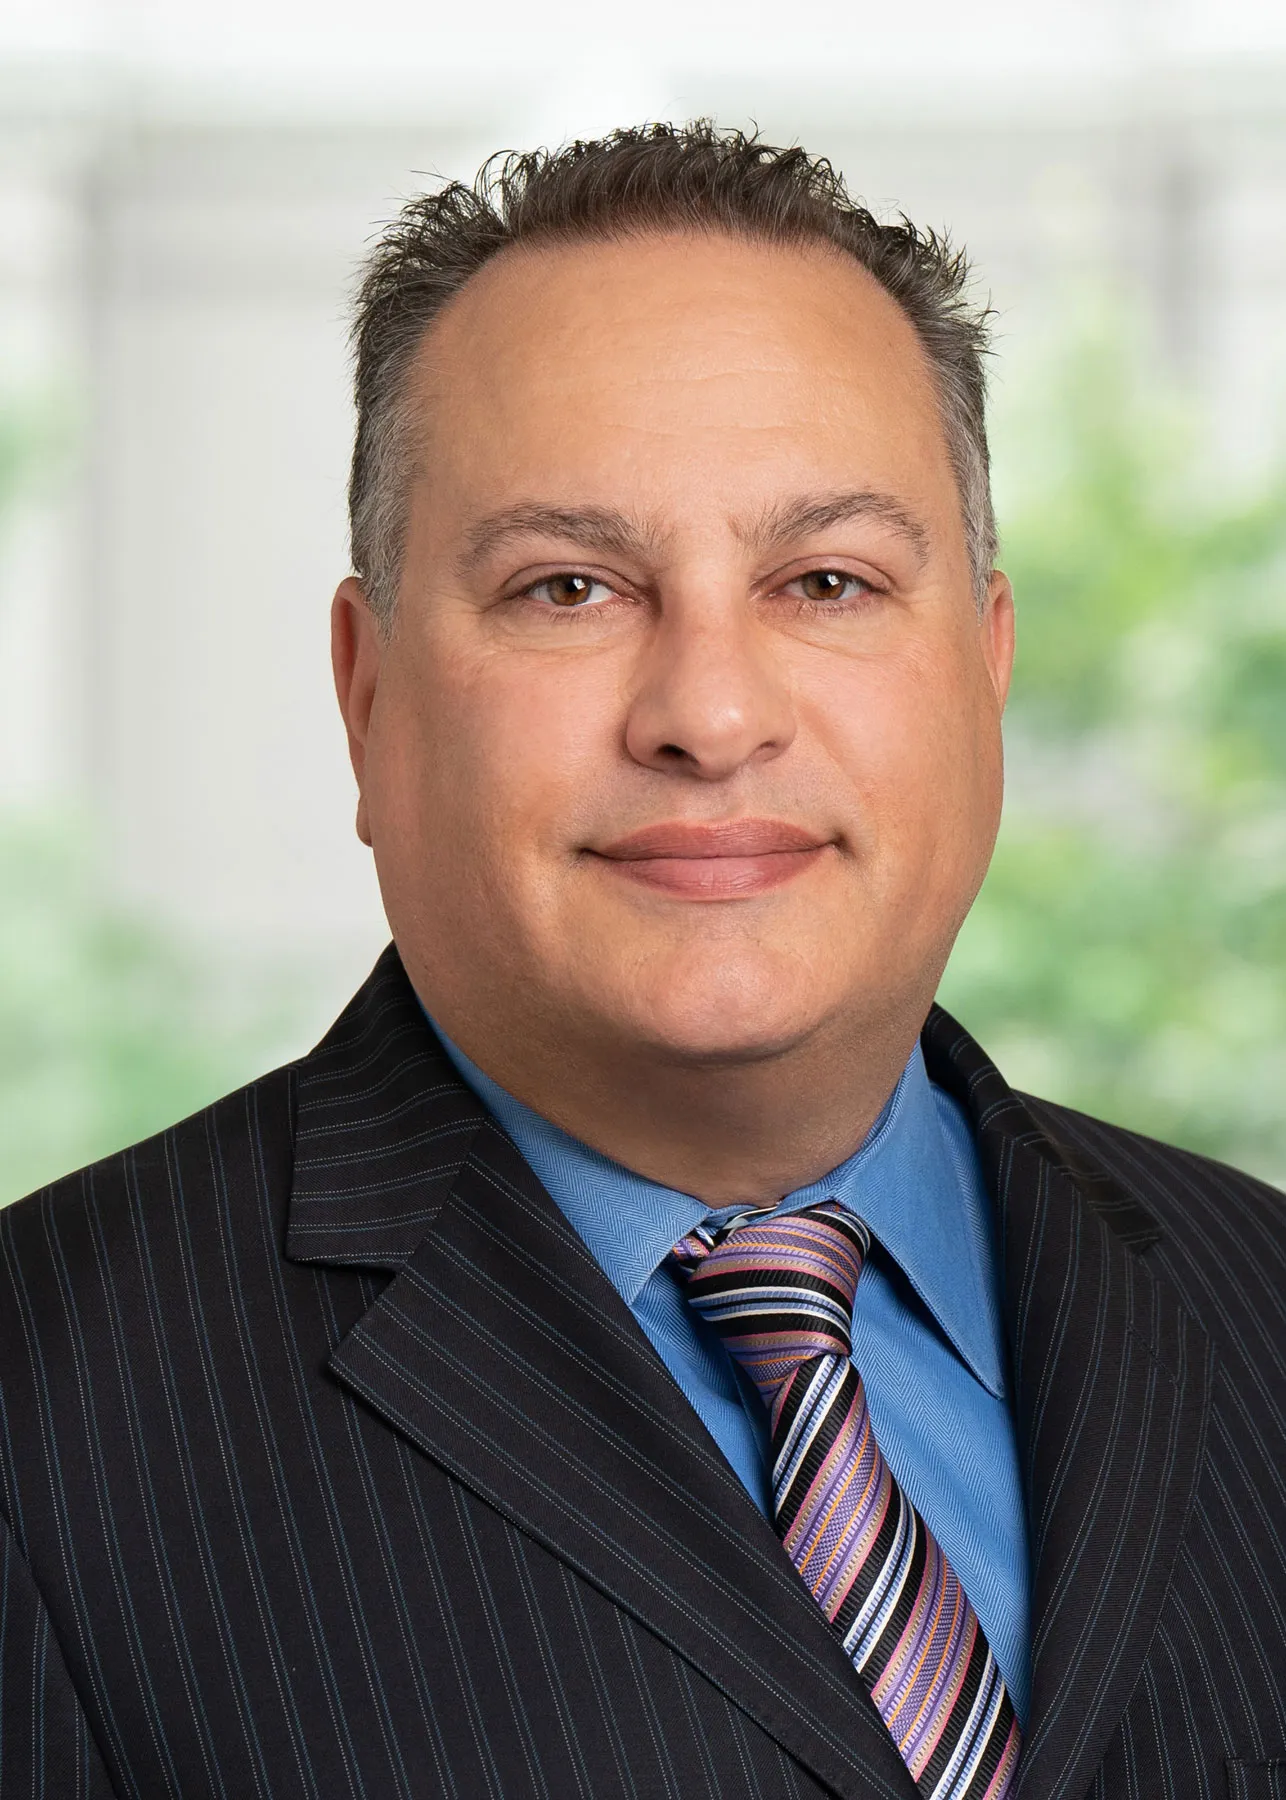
x=1112 y=1381
x=502 y=1351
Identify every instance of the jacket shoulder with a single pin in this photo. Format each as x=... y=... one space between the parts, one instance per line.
x=1219 y=1234
x=253 y=1127
x=1160 y=1176
x=92 y=1242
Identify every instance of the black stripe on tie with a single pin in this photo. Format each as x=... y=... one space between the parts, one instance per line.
x=887 y=1642
x=766 y=1315
x=989 y=1761
x=834 y=1418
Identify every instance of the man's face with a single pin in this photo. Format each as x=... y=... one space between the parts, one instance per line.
x=687 y=736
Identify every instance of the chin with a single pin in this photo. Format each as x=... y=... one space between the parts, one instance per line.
x=730 y=1011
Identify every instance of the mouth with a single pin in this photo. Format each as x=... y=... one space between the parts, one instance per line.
x=732 y=859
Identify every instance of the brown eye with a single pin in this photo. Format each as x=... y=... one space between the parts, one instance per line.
x=568 y=590
x=822 y=585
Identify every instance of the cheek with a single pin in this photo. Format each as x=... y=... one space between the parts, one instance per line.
x=546 y=739
x=917 y=739
x=494 y=755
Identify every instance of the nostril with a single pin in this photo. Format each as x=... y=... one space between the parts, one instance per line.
x=673 y=751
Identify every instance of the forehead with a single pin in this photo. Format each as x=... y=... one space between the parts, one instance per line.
x=660 y=360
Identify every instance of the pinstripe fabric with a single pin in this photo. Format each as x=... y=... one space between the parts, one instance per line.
x=779 y=1289
x=1148 y=1322
x=330 y=1465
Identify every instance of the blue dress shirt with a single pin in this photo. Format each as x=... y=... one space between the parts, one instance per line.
x=928 y=1336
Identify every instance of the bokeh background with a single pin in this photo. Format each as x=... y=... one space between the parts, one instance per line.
x=185 y=193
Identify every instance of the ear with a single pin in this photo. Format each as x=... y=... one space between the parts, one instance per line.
x=997 y=628
x=356 y=654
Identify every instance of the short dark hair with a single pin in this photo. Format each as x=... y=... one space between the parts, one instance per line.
x=650 y=179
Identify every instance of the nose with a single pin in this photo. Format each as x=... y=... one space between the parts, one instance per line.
x=710 y=698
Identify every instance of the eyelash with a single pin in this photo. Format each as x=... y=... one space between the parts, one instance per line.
x=806 y=607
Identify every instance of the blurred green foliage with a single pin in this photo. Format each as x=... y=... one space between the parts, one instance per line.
x=109 y=1028
x=1128 y=952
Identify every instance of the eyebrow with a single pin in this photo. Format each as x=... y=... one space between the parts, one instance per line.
x=595 y=527
x=793 y=519
x=603 y=528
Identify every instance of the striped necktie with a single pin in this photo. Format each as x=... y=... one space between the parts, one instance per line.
x=779 y=1289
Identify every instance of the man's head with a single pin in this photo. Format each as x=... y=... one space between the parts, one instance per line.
x=674 y=661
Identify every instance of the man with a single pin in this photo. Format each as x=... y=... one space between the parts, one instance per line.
x=646 y=1349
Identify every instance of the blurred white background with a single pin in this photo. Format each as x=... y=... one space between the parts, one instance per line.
x=186 y=191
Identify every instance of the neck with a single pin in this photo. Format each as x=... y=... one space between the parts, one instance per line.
x=742 y=1132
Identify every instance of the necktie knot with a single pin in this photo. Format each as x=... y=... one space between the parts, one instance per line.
x=777 y=1287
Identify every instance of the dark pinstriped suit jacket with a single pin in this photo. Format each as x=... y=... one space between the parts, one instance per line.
x=332 y=1466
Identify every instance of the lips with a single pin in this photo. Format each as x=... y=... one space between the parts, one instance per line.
x=724 y=860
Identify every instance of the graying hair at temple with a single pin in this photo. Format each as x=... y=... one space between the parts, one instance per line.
x=655 y=178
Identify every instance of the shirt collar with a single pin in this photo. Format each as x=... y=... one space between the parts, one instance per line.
x=917 y=1184
x=930 y=1213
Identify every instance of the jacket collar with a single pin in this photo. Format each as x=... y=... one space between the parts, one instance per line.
x=499 y=1328
x=383 y=1128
